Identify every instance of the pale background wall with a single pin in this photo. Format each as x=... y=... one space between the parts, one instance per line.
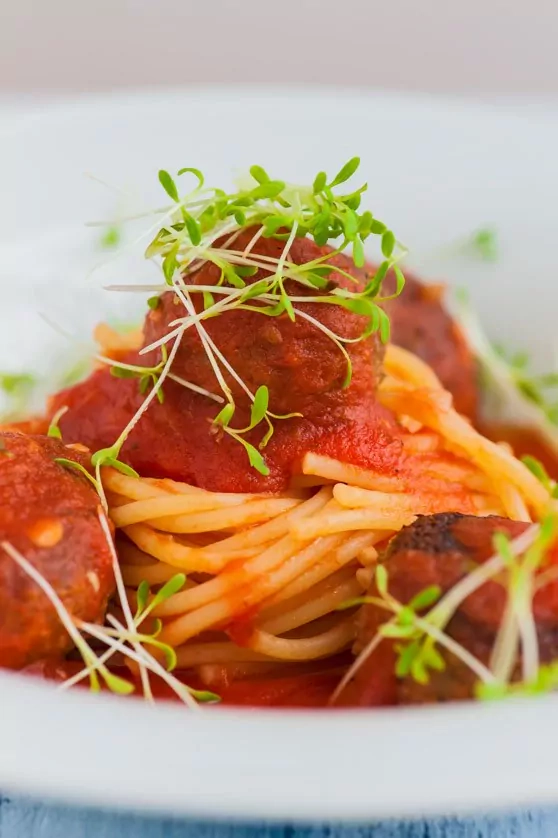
x=504 y=46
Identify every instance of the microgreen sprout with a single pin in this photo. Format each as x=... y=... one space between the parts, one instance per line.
x=127 y=640
x=518 y=625
x=418 y=636
x=201 y=226
x=538 y=389
x=53 y=429
x=529 y=396
x=73 y=465
x=19 y=390
x=545 y=681
x=537 y=468
x=258 y=413
x=94 y=666
x=111 y=237
x=518 y=564
x=120 y=638
x=417 y=654
x=484 y=243
x=147 y=376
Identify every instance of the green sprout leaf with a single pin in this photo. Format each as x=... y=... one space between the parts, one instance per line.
x=377 y=227
x=358 y=252
x=485 y=243
x=503 y=547
x=154 y=302
x=123 y=468
x=122 y=372
x=425 y=598
x=391 y=630
x=142 y=597
x=116 y=684
x=256 y=459
x=406 y=657
x=204 y=696
x=74 y=466
x=111 y=237
x=193 y=228
x=53 y=429
x=15 y=384
x=225 y=415
x=259 y=406
x=385 y=326
x=400 y=280
x=388 y=243
x=346 y=172
x=269 y=189
x=259 y=174
x=350 y=224
x=170 y=265
x=381 y=579
x=170 y=588
x=536 y=467
x=492 y=691
x=319 y=183
x=168 y=652
x=168 y=185
x=196 y=172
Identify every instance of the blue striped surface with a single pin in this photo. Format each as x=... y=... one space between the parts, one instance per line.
x=27 y=819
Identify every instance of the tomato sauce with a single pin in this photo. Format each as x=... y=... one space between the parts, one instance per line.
x=303 y=689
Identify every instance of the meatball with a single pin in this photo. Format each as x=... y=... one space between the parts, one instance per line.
x=302 y=367
x=50 y=515
x=440 y=550
x=421 y=324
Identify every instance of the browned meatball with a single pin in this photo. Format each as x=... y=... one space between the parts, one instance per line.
x=440 y=550
x=421 y=324
x=50 y=515
x=302 y=367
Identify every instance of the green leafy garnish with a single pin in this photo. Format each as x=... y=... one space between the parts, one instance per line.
x=485 y=243
x=511 y=386
x=75 y=466
x=15 y=384
x=545 y=681
x=118 y=685
x=53 y=429
x=111 y=237
x=416 y=654
x=148 y=376
x=190 y=234
x=146 y=604
x=536 y=467
x=19 y=389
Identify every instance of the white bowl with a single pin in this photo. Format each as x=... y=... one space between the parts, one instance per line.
x=437 y=170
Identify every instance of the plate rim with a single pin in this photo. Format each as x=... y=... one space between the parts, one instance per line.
x=24 y=768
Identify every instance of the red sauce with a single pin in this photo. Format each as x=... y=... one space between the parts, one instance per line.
x=303 y=369
x=304 y=689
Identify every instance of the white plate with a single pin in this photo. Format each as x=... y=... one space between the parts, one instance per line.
x=437 y=170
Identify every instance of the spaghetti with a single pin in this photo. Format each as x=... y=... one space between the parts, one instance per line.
x=266 y=575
